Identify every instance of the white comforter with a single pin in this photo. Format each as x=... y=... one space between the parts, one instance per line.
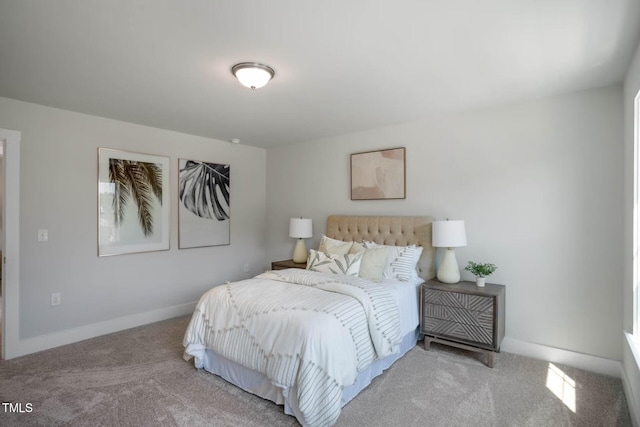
x=298 y=327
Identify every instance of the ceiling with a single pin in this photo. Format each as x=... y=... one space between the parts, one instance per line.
x=341 y=66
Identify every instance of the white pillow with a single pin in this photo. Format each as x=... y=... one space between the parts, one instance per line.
x=347 y=264
x=417 y=255
x=333 y=246
x=401 y=261
x=373 y=261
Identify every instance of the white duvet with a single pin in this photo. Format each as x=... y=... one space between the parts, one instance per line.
x=299 y=327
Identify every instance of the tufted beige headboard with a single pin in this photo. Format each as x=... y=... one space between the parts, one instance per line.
x=388 y=230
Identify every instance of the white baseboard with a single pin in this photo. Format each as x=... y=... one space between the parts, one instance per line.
x=570 y=358
x=631 y=375
x=631 y=404
x=45 y=342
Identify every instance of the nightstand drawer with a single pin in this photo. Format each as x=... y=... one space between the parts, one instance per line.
x=287 y=263
x=445 y=328
x=482 y=319
x=458 y=299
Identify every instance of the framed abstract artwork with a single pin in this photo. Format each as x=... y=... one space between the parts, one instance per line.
x=133 y=202
x=378 y=175
x=204 y=212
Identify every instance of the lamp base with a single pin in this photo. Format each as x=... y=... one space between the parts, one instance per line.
x=449 y=272
x=300 y=252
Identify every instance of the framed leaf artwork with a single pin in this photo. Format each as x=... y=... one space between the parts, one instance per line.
x=204 y=212
x=133 y=202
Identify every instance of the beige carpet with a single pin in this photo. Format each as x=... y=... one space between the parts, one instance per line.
x=138 y=378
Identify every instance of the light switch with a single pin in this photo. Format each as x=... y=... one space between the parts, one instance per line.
x=43 y=235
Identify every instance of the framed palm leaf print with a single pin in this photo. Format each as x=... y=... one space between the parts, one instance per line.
x=133 y=202
x=204 y=212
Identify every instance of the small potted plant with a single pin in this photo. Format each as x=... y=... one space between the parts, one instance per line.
x=480 y=271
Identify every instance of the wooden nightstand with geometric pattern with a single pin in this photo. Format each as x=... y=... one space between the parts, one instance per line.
x=463 y=315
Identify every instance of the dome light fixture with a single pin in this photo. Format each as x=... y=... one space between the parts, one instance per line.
x=252 y=74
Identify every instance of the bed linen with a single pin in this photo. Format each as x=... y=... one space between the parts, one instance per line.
x=259 y=384
x=284 y=324
x=407 y=296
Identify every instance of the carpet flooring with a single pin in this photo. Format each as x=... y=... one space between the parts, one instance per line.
x=138 y=378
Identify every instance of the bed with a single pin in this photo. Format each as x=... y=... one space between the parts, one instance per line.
x=312 y=340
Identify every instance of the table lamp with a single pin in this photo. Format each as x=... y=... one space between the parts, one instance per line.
x=300 y=228
x=449 y=234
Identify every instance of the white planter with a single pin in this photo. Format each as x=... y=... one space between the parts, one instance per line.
x=480 y=282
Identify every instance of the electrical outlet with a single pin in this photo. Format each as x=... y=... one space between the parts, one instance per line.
x=56 y=299
x=43 y=235
x=246 y=267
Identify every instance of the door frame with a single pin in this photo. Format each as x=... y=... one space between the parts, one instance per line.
x=11 y=244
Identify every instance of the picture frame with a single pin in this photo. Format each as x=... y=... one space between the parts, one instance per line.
x=204 y=204
x=379 y=174
x=133 y=202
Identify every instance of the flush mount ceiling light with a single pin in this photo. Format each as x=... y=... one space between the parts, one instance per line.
x=252 y=74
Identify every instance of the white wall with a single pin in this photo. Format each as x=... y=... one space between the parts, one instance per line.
x=58 y=185
x=537 y=183
x=1 y=191
x=631 y=370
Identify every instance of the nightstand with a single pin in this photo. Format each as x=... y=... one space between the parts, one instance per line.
x=287 y=263
x=463 y=315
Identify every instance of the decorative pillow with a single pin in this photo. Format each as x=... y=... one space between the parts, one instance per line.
x=333 y=246
x=347 y=264
x=373 y=261
x=417 y=255
x=401 y=261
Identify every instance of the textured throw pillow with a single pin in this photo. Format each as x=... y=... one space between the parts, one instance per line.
x=347 y=264
x=401 y=261
x=373 y=261
x=416 y=255
x=333 y=246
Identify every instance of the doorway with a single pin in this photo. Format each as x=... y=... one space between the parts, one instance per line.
x=10 y=242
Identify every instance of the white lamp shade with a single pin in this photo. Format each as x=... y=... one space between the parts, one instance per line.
x=300 y=228
x=449 y=234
